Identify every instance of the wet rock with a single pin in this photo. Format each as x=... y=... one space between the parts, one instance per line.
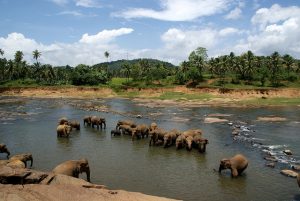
x=138 y=116
x=271 y=119
x=272 y=165
x=289 y=173
x=287 y=152
x=296 y=167
x=235 y=132
x=209 y=120
x=270 y=158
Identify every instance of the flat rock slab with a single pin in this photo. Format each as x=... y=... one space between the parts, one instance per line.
x=271 y=119
x=62 y=192
x=209 y=120
x=289 y=173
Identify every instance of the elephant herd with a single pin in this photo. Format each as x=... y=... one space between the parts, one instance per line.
x=71 y=167
x=189 y=139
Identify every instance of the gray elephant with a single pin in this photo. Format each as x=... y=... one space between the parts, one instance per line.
x=23 y=157
x=98 y=121
x=180 y=142
x=192 y=132
x=115 y=132
x=140 y=131
x=200 y=143
x=87 y=120
x=63 y=120
x=63 y=130
x=73 y=168
x=157 y=134
x=16 y=164
x=74 y=124
x=236 y=164
x=125 y=122
x=170 y=137
x=126 y=130
x=153 y=126
x=3 y=149
x=189 y=142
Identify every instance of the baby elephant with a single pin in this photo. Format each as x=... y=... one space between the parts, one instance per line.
x=63 y=130
x=23 y=157
x=115 y=132
x=73 y=168
x=3 y=149
x=236 y=164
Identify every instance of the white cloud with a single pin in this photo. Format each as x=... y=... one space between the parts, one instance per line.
x=278 y=30
x=234 y=14
x=74 y=13
x=89 y=50
x=88 y=3
x=228 y=31
x=60 y=2
x=178 y=10
x=105 y=36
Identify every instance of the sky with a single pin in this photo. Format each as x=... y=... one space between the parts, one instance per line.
x=72 y=32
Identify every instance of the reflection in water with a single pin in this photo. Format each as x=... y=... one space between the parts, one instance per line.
x=121 y=163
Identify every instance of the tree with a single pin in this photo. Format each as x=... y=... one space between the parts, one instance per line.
x=106 y=54
x=1 y=52
x=198 y=58
x=36 y=54
x=288 y=61
x=274 y=64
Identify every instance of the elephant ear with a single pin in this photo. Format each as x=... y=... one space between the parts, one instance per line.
x=225 y=162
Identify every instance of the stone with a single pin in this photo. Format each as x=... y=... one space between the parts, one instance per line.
x=9 y=175
x=270 y=158
x=209 y=120
x=289 y=173
x=272 y=165
x=287 y=152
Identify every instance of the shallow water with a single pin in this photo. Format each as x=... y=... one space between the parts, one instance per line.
x=29 y=125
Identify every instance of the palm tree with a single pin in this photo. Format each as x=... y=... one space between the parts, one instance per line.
x=106 y=54
x=1 y=52
x=36 y=54
x=288 y=62
x=275 y=68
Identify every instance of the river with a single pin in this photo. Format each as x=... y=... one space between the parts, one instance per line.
x=29 y=125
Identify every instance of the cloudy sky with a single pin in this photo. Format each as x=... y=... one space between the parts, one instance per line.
x=80 y=31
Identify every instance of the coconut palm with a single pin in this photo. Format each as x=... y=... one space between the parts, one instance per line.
x=1 y=52
x=36 y=54
x=288 y=61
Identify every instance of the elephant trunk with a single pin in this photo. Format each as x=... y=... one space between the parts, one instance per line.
x=8 y=153
x=88 y=175
x=221 y=168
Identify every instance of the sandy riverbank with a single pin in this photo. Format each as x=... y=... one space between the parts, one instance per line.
x=153 y=95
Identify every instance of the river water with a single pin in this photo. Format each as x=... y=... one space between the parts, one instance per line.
x=29 y=125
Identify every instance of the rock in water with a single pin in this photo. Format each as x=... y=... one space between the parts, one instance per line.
x=287 y=152
x=289 y=173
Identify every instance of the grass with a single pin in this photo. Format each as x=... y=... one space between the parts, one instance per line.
x=184 y=96
x=273 y=101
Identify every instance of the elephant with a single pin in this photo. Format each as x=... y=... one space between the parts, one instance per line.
x=115 y=132
x=125 y=122
x=189 y=142
x=74 y=124
x=87 y=120
x=63 y=130
x=298 y=179
x=236 y=164
x=16 y=164
x=141 y=130
x=98 y=121
x=73 y=168
x=23 y=157
x=180 y=141
x=126 y=129
x=3 y=149
x=192 y=132
x=153 y=126
x=157 y=134
x=200 y=143
x=62 y=121
x=170 y=137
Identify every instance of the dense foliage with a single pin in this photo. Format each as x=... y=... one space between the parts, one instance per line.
x=274 y=70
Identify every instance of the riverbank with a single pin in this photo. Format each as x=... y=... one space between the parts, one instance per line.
x=175 y=95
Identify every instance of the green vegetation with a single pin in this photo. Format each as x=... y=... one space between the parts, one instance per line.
x=272 y=101
x=184 y=96
x=246 y=71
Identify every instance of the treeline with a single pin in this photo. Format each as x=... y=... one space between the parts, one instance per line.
x=274 y=70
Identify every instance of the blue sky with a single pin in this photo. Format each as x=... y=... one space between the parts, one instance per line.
x=80 y=31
